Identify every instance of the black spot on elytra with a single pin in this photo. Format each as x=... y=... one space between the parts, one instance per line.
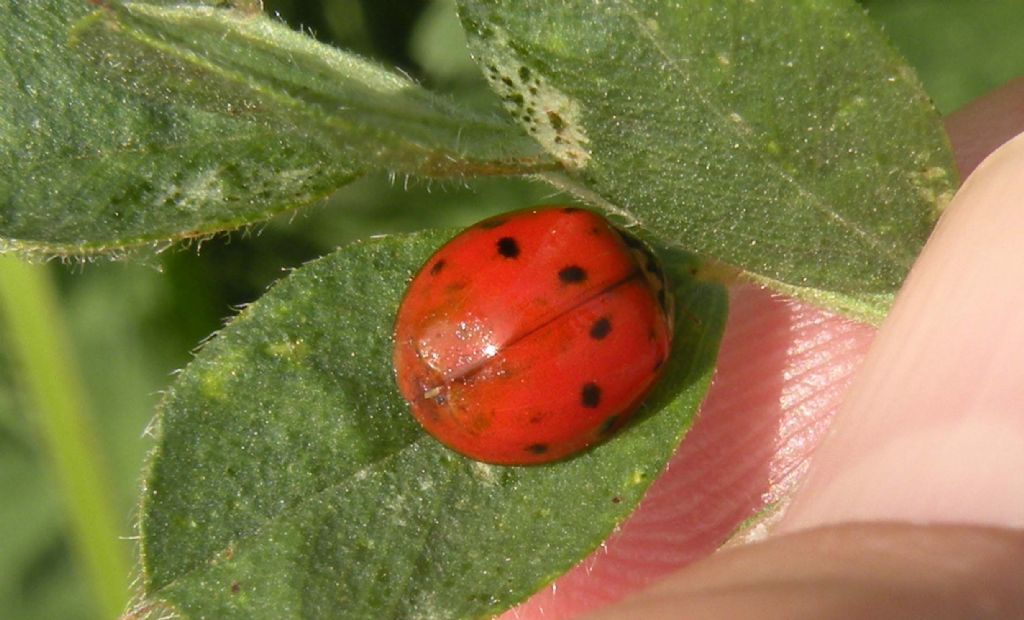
x=608 y=425
x=590 y=395
x=508 y=247
x=437 y=267
x=601 y=328
x=537 y=448
x=573 y=274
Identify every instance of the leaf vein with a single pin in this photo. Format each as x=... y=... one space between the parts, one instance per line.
x=721 y=118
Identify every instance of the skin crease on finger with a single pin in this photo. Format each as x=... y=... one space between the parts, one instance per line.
x=771 y=401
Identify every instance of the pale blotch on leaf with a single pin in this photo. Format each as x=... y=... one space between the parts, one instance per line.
x=216 y=381
x=291 y=350
x=486 y=473
x=202 y=189
x=932 y=186
x=549 y=115
x=213 y=386
x=846 y=114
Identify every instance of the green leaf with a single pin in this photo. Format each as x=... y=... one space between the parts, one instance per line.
x=784 y=139
x=135 y=124
x=237 y=63
x=88 y=167
x=291 y=481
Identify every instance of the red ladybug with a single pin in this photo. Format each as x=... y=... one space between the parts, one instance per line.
x=532 y=335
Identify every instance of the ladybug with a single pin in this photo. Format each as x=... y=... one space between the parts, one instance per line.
x=532 y=335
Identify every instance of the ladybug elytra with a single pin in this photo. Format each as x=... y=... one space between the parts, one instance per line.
x=532 y=335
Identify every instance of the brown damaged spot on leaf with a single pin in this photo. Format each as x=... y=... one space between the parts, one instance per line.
x=549 y=116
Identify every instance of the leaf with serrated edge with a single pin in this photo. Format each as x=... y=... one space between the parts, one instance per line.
x=291 y=481
x=784 y=139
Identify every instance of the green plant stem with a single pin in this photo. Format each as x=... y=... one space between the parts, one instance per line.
x=37 y=341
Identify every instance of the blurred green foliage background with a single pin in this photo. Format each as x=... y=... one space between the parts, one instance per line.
x=131 y=324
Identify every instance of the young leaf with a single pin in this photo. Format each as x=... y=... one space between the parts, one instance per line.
x=245 y=64
x=785 y=139
x=134 y=124
x=89 y=167
x=290 y=479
